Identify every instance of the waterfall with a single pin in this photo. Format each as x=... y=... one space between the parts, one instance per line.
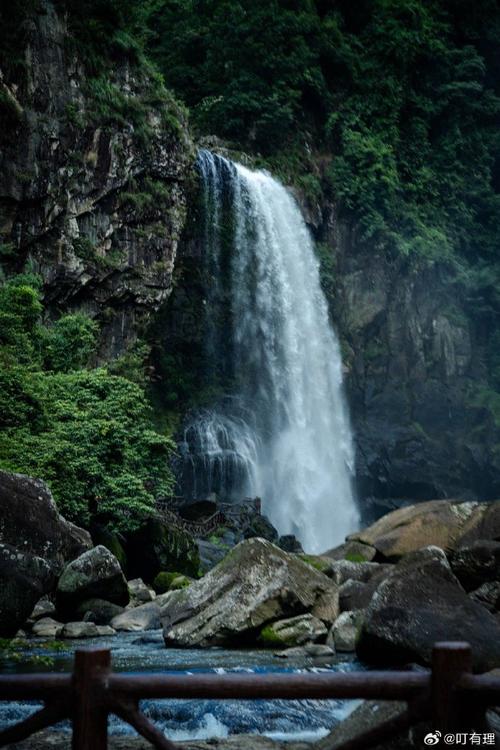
x=284 y=435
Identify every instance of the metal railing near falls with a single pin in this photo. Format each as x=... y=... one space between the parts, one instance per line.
x=227 y=512
x=448 y=695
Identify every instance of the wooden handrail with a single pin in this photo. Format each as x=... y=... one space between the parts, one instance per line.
x=448 y=694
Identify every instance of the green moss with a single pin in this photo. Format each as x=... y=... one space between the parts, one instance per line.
x=269 y=638
x=166 y=581
x=315 y=562
x=355 y=557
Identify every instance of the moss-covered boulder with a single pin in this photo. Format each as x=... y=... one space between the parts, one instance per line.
x=113 y=542
x=94 y=575
x=166 y=581
x=157 y=547
x=256 y=584
x=294 y=631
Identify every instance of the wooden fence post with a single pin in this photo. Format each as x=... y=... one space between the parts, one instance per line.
x=90 y=714
x=450 y=660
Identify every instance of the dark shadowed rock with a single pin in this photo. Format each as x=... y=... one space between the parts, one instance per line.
x=476 y=564
x=354 y=595
x=94 y=575
x=488 y=594
x=24 y=578
x=290 y=543
x=30 y=521
x=98 y=610
x=422 y=602
x=156 y=547
x=255 y=584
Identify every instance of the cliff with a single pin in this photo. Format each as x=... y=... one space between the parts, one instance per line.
x=93 y=173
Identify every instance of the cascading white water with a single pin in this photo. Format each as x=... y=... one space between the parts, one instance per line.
x=286 y=360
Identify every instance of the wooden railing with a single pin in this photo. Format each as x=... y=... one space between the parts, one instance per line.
x=448 y=695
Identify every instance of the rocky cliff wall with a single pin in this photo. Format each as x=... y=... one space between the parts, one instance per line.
x=93 y=175
x=415 y=373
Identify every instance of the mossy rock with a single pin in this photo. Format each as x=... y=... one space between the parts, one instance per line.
x=157 y=547
x=269 y=638
x=316 y=562
x=167 y=581
x=112 y=542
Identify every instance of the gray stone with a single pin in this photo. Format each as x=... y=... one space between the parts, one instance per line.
x=255 y=584
x=364 y=718
x=355 y=595
x=43 y=608
x=345 y=630
x=343 y=570
x=144 y=617
x=312 y=650
x=80 y=630
x=420 y=603
x=47 y=627
x=294 y=631
x=139 y=592
x=94 y=575
x=476 y=564
x=105 y=630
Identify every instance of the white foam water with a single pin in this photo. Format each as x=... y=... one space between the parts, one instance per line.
x=298 y=449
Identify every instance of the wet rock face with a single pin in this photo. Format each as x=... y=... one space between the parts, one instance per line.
x=97 y=203
x=24 y=578
x=413 y=362
x=29 y=520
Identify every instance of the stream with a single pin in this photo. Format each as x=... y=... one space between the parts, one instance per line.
x=305 y=720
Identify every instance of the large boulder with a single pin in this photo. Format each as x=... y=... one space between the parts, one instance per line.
x=345 y=630
x=420 y=603
x=24 y=578
x=30 y=521
x=47 y=627
x=255 y=584
x=94 y=575
x=476 y=564
x=352 y=551
x=441 y=523
x=157 y=546
x=80 y=630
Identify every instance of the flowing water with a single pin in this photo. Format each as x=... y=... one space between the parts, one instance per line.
x=285 y=434
x=198 y=719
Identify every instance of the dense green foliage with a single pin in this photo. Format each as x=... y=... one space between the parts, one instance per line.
x=402 y=93
x=85 y=431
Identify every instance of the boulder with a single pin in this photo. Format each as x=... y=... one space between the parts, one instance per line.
x=255 y=584
x=326 y=607
x=43 y=608
x=354 y=595
x=476 y=564
x=294 y=631
x=483 y=523
x=211 y=554
x=47 y=627
x=341 y=571
x=80 y=630
x=105 y=630
x=157 y=546
x=112 y=541
x=94 y=575
x=139 y=593
x=312 y=650
x=488 y=595
x=352 y=551
x=441 y=523
x=365 y=718
x=420 y=603
x=145 y=617
x=290 y=543
x=30 y=521
x=98 y=610
x=24 y=579
x=345 y=630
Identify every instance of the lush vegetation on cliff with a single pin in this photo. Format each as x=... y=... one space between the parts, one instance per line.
x=402 y=95
x=88 y=433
